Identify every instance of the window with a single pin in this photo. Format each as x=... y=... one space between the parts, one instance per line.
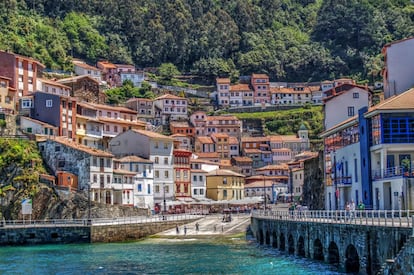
x=108 y=179
x=165 y=145
x=351 y=111
x=201 y=191
x=165 y=160
x=94 y=161
x=57 y=148
x=139 y=187
x=200 y=178
x=30 y=80
x=116 y=129
x=108 y=163
x=156 y=160
x=148 y=189
x=355 y=95
x=156 y=174
x=194 y=178
x=49 y=103
x=166 y=174
x=195 y=192
x=26 y=103
x=156 y=144
x=178 y=174
x=157 y=188
x=95 y=178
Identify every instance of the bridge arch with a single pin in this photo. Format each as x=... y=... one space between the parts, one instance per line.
x=274 y=241
x=333 y=254
x=267 y=238
x=301 y=247
x=260 y=237
x=291 y=245
x=318 y=250
x=282 y=242
x=352 y=264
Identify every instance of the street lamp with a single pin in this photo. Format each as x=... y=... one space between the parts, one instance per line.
x=165 y=204
x=264 y=192
x=89 y=204
x=335 y=182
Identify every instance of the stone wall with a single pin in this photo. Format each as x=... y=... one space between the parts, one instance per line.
x=404 y=262
x=44 y=235
x=130 y=232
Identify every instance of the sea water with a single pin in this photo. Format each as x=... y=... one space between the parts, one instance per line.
x=156 y=256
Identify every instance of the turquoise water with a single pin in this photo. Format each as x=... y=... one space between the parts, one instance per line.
x=155 y=256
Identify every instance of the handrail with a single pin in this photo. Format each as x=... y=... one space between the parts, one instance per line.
x=98 y=221
x=393 y=218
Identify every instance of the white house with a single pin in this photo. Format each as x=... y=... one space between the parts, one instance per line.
x=399 y=67
x=343 y=102
x=159 y=150
x=170 y=107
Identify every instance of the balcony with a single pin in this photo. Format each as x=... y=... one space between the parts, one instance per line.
x=392 y=172
x=345 y=181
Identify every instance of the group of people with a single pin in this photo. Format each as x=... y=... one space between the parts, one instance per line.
x=350 y=207
x=177 y=229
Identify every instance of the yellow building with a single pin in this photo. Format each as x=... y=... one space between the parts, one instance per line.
x=224 y=185
x=7 y=96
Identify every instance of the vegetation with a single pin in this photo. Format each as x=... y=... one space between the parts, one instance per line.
x=291 y=40
x=127 y=90
x=20 y=165
x=287 y=122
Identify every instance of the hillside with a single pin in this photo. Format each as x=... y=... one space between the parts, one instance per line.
x=291 y=40
x=20 y=167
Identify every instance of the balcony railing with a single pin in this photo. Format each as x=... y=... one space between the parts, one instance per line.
x=392 y=172
x=343 y=181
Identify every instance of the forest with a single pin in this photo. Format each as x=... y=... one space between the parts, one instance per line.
x=290 y=40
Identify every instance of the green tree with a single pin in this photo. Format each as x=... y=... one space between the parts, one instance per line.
x=168 y=70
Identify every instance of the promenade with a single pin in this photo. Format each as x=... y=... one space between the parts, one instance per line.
x=210 y=226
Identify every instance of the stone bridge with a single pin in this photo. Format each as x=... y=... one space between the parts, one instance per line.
x=360 y=242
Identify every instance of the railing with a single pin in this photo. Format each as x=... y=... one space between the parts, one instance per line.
x=99 y=221
x=393 y=218
x=397 y=171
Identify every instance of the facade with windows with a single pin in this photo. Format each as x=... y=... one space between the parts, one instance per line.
x=224 y=185
x=261 y=87
x=56 y=110
x=159 y=150
x=7 y=96
x=223 y=91
x=93 y=168
x=182 y=173
x=170 y=108
x=343 y=102
x=138 y=178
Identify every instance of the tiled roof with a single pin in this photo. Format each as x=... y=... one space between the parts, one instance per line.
x=109 y=107
x=54 y=83
x=86 y=66
x=223 y=80
x=260 y=76
x=403 y=102
x=205 y=140
x=233 y=140
x=81 y=147
x=121 y=121
x=273 y=167
x=215 y=118
x=198 y=171
x=44 y=124
x=398 y=41
x=124 y=172
x=277 y=138
x=25 y=58
x=350 y=121
x=281 y=150
x=170 y=96
x=240 y=87
x=88 y=118
x=342 y=88
x=243 y=159
x=207 y=155
x=252 y=151
x=293 y=138
x=224 y=172
x=254 y=139
x=219 y=135
x=76 y=78
x=183 y=124
x=259 y=183
x=133 y=159
x=107 y=64
x=203 y=161
x=152 y=134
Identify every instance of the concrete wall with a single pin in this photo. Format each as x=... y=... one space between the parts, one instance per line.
x=403 y=263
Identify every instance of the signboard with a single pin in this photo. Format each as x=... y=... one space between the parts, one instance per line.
x=27 y=206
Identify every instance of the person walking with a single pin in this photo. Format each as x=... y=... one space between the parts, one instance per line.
x=197 y=227
x=185 y=230
x=177 y=229
x=352 y=209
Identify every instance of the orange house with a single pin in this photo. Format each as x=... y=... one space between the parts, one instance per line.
x=182 y=127
x=67 y=179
